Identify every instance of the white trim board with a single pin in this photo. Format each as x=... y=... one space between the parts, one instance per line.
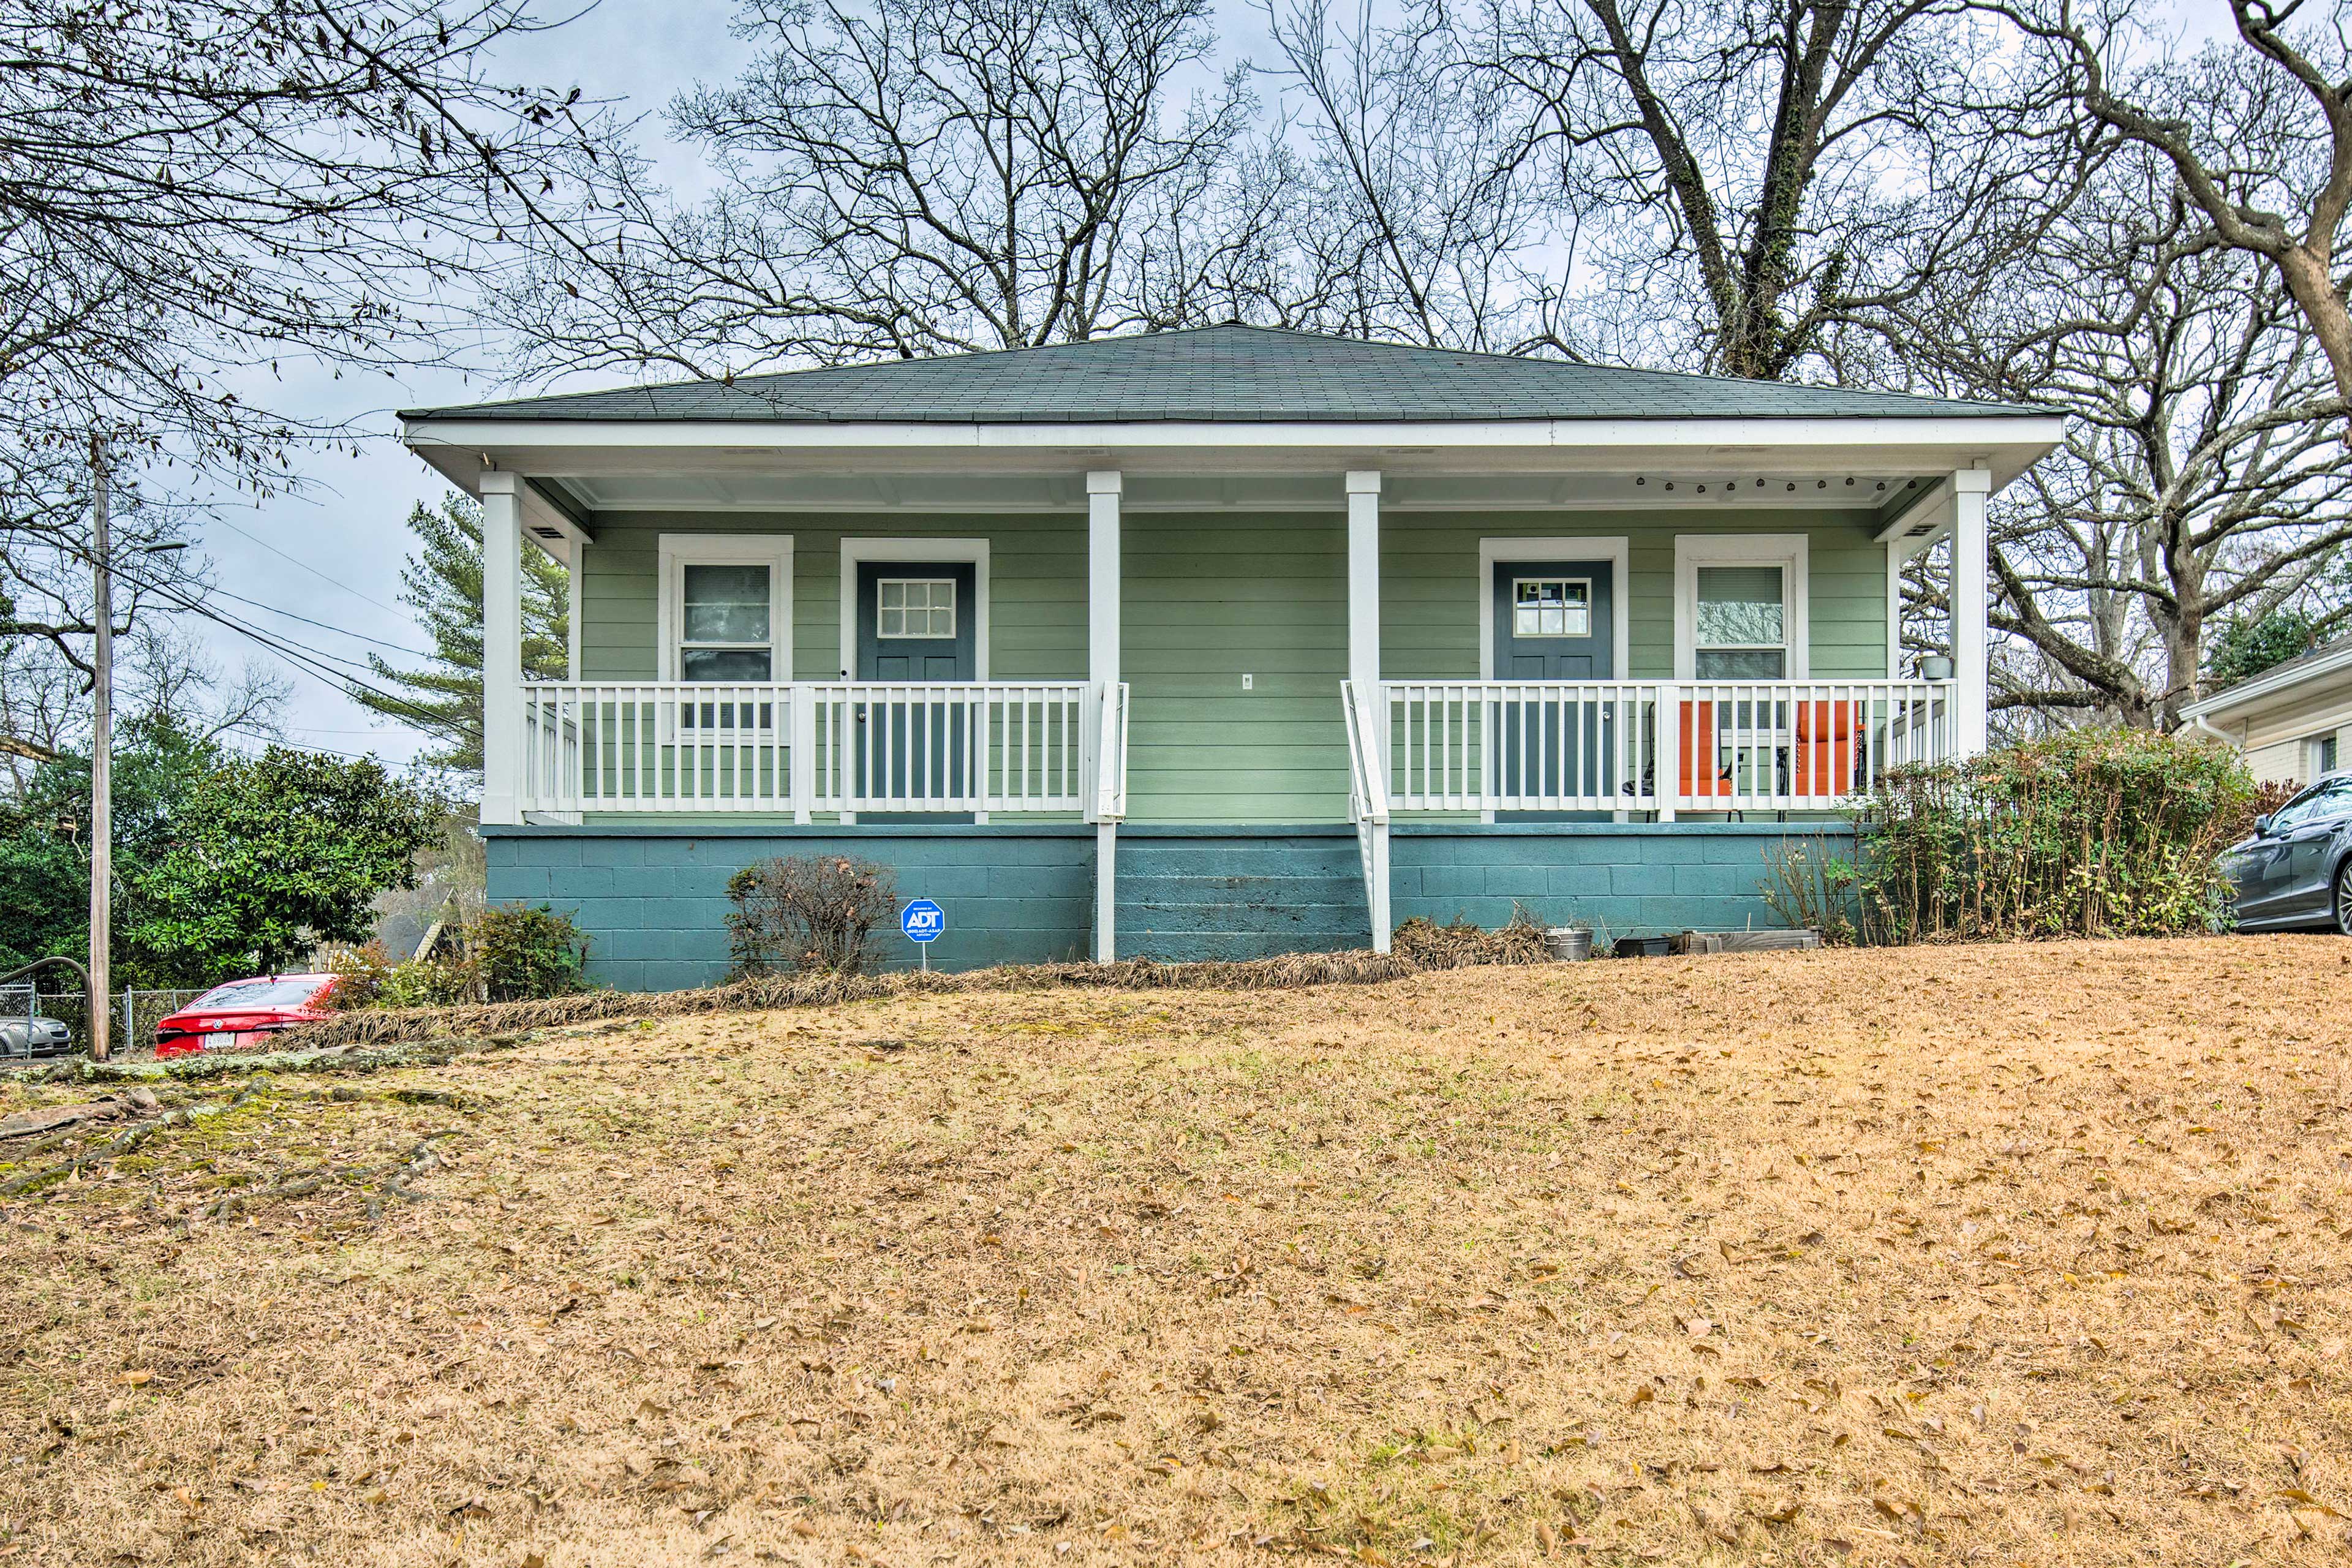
x=1791 y=551
x=856 y=552
x=1577 y=440
x=676 y=550
x=1615 y=548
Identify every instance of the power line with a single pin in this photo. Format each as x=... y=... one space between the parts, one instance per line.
x=308 y=660
x=306 y=567
x=304 y=657
x=324 y=626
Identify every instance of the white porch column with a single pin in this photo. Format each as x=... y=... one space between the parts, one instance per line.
x=1364 y=669
x=501 y=647
x=1364 y=582
x=1102 y=670
x=1971 y=606
x=574 y=574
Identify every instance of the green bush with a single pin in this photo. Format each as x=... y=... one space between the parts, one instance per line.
x=450 y=980
x=522 y=954
x=2088 y=833
x=811 y=912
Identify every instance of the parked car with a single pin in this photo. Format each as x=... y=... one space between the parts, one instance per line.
x=2296 y=870
x=242 y=1012
x=49 y=1036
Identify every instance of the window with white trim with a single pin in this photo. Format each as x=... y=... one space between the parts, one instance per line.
x=915 y=607
x=1741 y=623
x=1741 y=607
x=1551 y=607
x=726 y=610
x=2324 y=753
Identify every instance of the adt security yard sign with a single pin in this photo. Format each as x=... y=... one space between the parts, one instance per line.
x=922 y=920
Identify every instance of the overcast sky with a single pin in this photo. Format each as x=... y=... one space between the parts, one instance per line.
x=333 y=555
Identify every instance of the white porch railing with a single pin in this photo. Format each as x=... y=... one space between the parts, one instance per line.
x=823 y=746
x=1658 y=746
x=1654 y=746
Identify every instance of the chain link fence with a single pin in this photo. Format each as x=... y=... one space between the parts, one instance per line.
x=135 y=1014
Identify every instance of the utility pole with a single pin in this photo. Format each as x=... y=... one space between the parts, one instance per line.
x=98 y=1007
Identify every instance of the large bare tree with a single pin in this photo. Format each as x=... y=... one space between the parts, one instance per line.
x=1412 y=224
x=1743 y=177
x=2293 y=67
x=905 y=177
x=2201 y=475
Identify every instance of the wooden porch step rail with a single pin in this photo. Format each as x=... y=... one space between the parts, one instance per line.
x=1368 y=803
x=841 y=747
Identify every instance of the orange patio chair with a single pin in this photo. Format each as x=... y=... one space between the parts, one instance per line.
x=1702 y=781
x=1825 y=747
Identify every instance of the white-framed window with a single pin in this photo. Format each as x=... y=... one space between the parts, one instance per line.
x=915 y=607
x=2324 y=752
x=1551 y=607
x=725 y=607
x=1741 y=607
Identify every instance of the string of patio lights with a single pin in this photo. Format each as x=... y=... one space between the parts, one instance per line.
x=1731 y=487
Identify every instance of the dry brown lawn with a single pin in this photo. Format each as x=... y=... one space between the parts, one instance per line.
x=2025 y=1255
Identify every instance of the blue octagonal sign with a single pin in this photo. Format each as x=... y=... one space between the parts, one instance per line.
x=922 y=920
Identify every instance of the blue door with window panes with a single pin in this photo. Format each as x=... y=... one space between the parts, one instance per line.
x=917 y=627
x=1555 y=620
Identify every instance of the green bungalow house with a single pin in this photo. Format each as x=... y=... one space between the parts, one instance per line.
x=1211 y=643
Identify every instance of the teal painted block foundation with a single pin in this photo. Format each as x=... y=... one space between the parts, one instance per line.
x=1621 y=878
x=654 y=897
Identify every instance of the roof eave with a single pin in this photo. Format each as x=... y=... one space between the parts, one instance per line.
x=1761 y=432
x=2252 y=693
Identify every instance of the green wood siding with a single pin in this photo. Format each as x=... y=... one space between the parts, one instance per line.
x=1430 y=584
x=1037 y=587
x=1208 y=598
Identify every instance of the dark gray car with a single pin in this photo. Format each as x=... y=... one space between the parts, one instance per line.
x=35 y=1036
x=2296 y=870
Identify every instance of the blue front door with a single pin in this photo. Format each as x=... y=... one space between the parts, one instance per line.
x=1555 y=620
x=917 y=625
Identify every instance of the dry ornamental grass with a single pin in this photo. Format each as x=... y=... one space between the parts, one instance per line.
x=2025 y=1255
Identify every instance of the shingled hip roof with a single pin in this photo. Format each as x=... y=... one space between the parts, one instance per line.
x=1217 y=374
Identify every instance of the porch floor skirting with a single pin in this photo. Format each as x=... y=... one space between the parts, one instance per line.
x=653 y=896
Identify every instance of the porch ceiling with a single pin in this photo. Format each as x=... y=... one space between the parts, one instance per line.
x=1873 y=497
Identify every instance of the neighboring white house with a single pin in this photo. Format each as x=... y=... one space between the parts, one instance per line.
x=2293 y=721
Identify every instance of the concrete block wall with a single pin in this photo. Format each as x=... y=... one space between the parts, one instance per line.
x=1623 y=878
x=654 y=897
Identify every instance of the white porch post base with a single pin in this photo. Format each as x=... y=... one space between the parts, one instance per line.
x=1668 y=757
x=1105 y=891
x=1377 y=895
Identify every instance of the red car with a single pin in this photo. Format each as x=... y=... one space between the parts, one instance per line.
x=242 y=1012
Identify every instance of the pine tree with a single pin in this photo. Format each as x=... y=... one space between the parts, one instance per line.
x=442 y=584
